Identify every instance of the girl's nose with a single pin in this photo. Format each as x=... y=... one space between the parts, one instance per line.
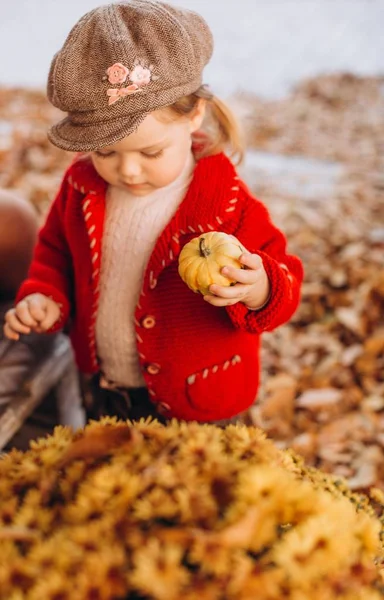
x=129 y=167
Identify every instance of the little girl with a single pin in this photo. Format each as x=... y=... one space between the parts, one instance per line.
x=152 y=175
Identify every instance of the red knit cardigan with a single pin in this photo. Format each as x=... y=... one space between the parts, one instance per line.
x=199 y=361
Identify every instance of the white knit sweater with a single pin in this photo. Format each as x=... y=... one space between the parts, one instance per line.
x=131 y=229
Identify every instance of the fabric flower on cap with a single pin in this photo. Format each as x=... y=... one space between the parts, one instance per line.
x=140 y=75
x=117 y=73
x=116 y=94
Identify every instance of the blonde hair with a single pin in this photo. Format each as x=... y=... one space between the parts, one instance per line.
x=220 y=125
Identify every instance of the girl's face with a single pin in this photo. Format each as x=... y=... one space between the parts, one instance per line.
x=151 y=157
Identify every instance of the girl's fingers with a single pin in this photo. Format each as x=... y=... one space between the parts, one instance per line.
x=250 y=275
x=233 y=292
x=251 y=261
x=34 y=313
x=23 y=314
x=14 y=324
x=37 y=308
x=9 y=333
x=244 y=276
x=216 y=301
x=53 y=313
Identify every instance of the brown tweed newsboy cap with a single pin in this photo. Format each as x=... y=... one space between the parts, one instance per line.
x=120 y=62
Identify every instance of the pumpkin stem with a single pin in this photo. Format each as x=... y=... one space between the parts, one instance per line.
x=204 y=251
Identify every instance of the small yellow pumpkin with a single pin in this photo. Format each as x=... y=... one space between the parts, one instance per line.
x=201 y=260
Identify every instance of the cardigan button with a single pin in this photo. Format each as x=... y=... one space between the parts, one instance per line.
x=153 y=369
x=148 y=322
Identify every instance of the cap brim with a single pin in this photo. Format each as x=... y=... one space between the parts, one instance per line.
x=88 y=130
x=93 y=136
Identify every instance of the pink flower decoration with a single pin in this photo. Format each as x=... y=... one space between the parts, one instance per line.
x=116 y=94
x=117 y=73
x=140 y=75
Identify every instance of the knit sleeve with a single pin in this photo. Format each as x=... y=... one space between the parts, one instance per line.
x=50 y=272
x=285 y=272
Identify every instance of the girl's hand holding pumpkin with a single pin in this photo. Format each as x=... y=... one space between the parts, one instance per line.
x=252 y=287
x=217 y=265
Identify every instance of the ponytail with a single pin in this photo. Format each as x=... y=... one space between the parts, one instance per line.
x=226 y=134
x=220 y=127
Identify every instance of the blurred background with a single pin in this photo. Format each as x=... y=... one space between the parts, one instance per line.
x=305 y=78
x=260 y=46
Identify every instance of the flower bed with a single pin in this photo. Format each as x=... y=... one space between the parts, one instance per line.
x=146 y=511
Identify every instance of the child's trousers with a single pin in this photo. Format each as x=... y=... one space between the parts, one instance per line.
x=132 y=404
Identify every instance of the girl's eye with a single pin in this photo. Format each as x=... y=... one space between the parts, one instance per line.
x=155 y=155
x=104 y=155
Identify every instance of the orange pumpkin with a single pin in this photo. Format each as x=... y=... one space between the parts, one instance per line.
x=201 y=260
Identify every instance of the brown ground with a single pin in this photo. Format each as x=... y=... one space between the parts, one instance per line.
x=323 y=374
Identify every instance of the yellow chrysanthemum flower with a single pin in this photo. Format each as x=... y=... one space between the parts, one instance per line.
x=158 y=572
x=122 y=510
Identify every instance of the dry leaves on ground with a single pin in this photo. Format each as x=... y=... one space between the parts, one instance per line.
x=323 y=388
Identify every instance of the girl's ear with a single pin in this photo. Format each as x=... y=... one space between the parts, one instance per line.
x=196 y=117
